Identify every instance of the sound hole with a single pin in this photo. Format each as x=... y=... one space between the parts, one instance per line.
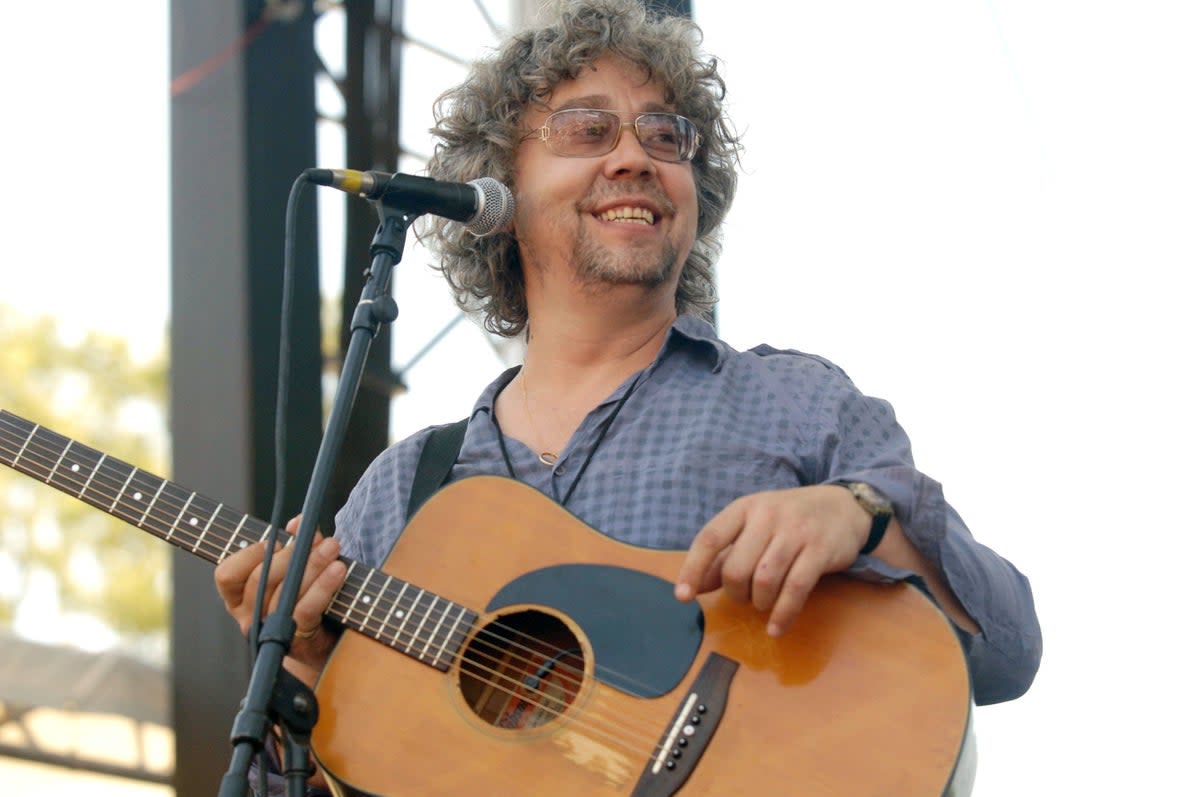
x=522 y=670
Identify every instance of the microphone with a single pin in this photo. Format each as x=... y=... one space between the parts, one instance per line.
x=484 y=206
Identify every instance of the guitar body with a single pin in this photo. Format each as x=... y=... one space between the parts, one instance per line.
x=867 y=695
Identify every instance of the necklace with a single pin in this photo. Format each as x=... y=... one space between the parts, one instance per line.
x=547 y=458
x=603 y=432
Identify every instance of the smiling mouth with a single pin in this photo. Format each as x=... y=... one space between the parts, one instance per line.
x=628 y=215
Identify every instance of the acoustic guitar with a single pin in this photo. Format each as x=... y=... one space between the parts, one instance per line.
x=539 y=657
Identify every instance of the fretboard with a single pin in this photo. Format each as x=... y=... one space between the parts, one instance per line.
x=396 y=613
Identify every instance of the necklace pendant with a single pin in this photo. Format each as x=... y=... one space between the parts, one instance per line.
x=548 y=459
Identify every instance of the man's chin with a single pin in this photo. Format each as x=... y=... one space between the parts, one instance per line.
x=598 y=266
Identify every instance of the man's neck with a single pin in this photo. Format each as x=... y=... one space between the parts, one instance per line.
x=601 y=337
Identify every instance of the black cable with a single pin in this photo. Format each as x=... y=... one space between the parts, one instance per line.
x=281 y=405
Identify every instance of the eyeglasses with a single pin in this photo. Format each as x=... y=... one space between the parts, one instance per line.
x=589 y=133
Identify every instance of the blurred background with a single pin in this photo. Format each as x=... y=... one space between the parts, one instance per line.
x=985 y=212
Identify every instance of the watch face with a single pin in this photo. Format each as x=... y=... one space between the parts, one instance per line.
x=871 y=498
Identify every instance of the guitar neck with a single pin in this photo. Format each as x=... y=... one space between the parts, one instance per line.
x=419 y=623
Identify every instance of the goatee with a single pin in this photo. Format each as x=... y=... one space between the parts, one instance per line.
x=598 y=265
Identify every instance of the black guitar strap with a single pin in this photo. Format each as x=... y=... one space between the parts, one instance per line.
x=437 y=458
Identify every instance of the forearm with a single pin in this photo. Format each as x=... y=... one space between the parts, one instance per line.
x=981 y=592
x=896 y=550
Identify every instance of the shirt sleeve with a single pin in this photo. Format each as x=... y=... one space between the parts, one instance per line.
x=866 y=443
x=377 y=510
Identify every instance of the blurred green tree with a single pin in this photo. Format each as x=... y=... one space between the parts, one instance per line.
x=90 y=389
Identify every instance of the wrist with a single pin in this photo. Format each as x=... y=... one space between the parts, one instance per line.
x=877 y=507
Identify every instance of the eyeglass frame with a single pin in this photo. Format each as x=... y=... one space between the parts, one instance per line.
x=543 y=132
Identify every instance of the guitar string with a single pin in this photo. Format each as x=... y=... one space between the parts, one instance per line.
x=30 y=451
x=347 y=608
x=578 y=683
x=32 y=447
x=519 y=688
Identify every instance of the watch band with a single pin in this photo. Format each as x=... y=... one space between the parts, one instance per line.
x=879 y=524
x=876 y=505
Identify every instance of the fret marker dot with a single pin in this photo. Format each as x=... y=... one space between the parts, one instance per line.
x=137 y=496
x=366 y=598
x=242 y=543
x=399 y=615
x=74 y=469
x=193 y=521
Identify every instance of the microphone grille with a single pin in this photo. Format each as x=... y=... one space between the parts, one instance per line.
x=495 y=208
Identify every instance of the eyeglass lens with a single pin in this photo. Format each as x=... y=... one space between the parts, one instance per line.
x=584 y=132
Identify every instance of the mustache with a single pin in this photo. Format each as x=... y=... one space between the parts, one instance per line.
x=646 y=189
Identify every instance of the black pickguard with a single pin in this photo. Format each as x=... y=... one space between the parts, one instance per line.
x=644 y=639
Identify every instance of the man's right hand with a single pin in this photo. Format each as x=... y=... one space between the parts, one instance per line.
x=237 y=581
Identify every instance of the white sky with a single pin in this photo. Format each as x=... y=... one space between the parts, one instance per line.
x=986 y=212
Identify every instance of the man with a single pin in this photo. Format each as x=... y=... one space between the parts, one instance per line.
x=768 y=466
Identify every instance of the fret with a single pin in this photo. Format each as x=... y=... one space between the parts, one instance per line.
x=75 y=461
x=91 y=476
x=253 y=523
x=232 y=537
x=383 y=593
x=448 y=638
x=437 y=629
x=200 y=507
x=25 y=445
x=424 y=618
x=462 y=628
x=150 y=505
x=133 y=506
x=207 y=526
x=163 y=515
x=179 y=517
x=371 y=602
x=58 y=462
x=352 y=602
x=415 y=604
x=113 y=509
x=399 y=614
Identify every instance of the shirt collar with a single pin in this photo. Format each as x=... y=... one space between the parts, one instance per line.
x=695 y=331
x=687 y=331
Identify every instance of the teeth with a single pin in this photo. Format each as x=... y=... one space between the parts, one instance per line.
x=628 y=215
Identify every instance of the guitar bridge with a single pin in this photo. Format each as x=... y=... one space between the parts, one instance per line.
x=691 y=730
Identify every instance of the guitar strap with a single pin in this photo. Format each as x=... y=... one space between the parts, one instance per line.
x=437 y=458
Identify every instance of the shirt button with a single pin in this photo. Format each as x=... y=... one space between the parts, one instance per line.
x=560 y=470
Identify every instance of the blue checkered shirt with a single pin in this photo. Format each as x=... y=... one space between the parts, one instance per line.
x=705 y=424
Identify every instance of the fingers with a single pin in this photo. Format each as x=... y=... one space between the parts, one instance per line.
x=232 y=575
x=238 y=577
x=801 y=578
x=699 y=572
x=239 y=571
x=323 y=552
x=759 y=561
x=323 y=575
x=770 y=549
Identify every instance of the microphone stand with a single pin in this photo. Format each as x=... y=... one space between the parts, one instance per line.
x=274 y=695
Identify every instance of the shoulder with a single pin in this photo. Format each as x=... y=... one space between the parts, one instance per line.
x=378 y=505
x=771 y=357
x=763 y=357
x=790 y=372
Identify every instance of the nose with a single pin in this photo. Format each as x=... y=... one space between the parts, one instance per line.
x=629 y=156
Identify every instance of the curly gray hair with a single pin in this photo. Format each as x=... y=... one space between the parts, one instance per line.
x=478 y=128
